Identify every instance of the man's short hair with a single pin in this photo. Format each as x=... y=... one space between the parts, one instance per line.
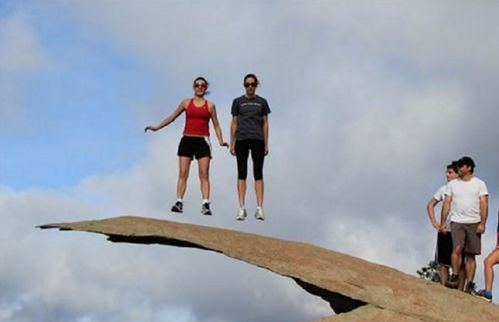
x=466 y=161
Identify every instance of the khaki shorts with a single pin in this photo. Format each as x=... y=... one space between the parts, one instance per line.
x=465 y=235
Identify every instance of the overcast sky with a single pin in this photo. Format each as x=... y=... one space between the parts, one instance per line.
x=370 y=100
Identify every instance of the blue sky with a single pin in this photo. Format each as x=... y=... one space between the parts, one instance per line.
x=370 y=100
x=69 y=105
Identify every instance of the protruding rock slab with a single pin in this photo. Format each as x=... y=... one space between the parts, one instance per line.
x=346 y=282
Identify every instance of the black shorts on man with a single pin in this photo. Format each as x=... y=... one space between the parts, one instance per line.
x=444 y=249
x=194 y=147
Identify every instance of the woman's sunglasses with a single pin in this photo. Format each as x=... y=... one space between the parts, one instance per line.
x=249 y=84
x=199 y=85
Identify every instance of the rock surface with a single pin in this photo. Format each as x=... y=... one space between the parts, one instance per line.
x=356 y=289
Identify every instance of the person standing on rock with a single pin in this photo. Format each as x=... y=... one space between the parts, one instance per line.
x=466 y=200
x=195 y=142
x=488 y=267
x=444 y=239
x=249 y=132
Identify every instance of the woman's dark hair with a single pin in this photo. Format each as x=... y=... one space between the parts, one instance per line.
x=251 y=76
x=202 y=79
x=453 y=166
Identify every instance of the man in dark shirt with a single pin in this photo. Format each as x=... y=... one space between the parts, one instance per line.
x=249 y=132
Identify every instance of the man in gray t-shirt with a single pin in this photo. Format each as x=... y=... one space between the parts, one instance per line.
x=249 y=132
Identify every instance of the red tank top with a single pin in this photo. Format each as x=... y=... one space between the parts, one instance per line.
x=197 y=119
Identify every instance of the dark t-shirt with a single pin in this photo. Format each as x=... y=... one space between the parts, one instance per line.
x=250 y=113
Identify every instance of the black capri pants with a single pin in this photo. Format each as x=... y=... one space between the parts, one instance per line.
x=257 y=148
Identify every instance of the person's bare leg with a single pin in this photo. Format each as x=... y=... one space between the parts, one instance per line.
x=204 y=177
x=183 y=174
x=456 y=259
x=470 y=267
x=462 y=277
x=259 y=187
x=444 y=274
x=241 y=192
x=488 y=267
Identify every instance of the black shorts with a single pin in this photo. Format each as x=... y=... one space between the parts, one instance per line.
x=194 y=146
x=444 y=249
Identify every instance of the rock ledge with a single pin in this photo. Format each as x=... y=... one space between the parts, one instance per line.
x=356 y=289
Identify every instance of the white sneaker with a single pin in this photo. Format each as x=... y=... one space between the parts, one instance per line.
x=259 y=213
x=241 y=214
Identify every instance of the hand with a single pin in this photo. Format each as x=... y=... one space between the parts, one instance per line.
x=480 y=229
x=225 y=144
x=150 y=128
x=266 y=150
x=443 y=228
x=232 y=150
x=436 y=226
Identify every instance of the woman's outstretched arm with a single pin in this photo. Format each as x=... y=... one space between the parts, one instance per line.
x=170 y=118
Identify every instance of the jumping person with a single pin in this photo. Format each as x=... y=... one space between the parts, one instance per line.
x=195 y=142
x=488 y=267
x=444 y=239
x=249 y=131
x=466 y=198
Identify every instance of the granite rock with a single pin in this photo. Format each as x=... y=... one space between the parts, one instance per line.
x=357 y=290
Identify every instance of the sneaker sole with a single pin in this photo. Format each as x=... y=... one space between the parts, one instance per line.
x=482 y=298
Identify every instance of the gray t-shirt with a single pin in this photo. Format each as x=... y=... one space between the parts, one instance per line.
x=250 y=113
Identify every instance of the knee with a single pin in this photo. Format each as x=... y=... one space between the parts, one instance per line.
x=488 y=262
x=183 y=175
x=458 y=249
x=204 y=175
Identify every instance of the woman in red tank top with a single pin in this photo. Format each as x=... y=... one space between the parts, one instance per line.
x=195 y=143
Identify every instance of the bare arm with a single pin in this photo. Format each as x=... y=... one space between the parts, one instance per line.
x=216 y=125
x=265 y=128
x=430 y=208
x=170 y=118
x=484 y=213
x=233 y=128
x=445 y=213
